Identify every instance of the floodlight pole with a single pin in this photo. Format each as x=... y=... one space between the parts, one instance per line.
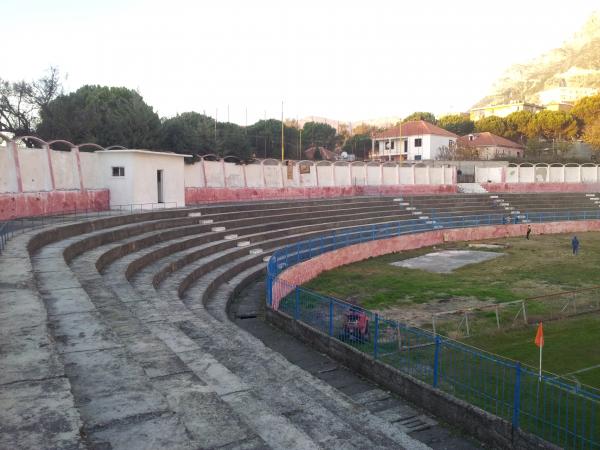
x=282 y=144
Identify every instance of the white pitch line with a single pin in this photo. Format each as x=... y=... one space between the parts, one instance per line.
x=585 y=369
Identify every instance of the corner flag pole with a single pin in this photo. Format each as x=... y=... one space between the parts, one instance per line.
x=539 y=341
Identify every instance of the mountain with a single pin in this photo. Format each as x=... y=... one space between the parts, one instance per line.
x=575 y=64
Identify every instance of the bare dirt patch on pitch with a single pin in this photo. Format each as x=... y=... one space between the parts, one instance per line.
x=446 y=261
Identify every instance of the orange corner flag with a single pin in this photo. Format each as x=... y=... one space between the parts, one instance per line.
x=539 y=337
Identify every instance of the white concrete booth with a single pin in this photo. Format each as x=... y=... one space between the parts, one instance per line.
x=143 y=177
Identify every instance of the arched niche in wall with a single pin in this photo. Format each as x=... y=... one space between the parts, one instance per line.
x=61 y=145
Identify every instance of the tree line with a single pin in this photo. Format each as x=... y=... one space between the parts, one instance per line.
x=120 y=116
x=536 y=131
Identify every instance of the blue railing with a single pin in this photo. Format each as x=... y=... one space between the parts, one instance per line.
x=556 y=409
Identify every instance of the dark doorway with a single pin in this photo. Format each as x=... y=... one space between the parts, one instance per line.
x=159 y=185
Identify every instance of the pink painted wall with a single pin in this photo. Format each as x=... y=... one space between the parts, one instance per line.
x=41 y=203
x=542 y=187
x=307 y=270
x=195 y=196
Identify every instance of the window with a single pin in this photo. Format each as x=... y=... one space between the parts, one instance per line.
x=418 y=142
x=118 y=171
x=417 y=157
x=406 y=146
x=392 y=145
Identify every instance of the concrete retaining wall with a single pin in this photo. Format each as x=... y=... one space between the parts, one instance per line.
x=486 y=427
x=28 y=204
x=305 y=271
x=194 y=196
x=542 y=187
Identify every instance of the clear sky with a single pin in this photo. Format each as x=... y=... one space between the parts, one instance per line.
x=345 y=60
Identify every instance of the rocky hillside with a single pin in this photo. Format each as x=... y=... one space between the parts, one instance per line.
x=575 y=64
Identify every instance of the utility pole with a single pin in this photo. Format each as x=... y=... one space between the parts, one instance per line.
x=216 y=116
x=300 y=147
x=282 y=144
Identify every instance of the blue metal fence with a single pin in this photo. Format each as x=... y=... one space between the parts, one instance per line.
x=551 y=407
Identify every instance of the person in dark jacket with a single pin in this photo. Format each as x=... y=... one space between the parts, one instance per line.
x=575 y=245
x=528 y=232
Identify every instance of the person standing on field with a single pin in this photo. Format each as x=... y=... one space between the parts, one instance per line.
x=528 y=232
x=575 y=245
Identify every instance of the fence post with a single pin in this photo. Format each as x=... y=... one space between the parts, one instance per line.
x=436 y=360
x=330 y=317
x=270 y=291
x=376 y=338
x=517 y=397
x=297 y=304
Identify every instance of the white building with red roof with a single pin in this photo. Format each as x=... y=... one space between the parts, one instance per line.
x=411 y=141
x=491 y=146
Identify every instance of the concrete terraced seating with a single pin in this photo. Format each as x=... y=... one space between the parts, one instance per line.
x=119 y=336
x=115 y=331
x=455 y=205
x=550 y=202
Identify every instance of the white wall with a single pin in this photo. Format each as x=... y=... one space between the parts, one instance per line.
x=91 y=172
x=485 y=174
x=254 y=177
x=429 y=148
x=146 y=166
x=121 y=188
x=342 y=174
x=35 y=173
x=539 y=173
x=359 y=173
x=64 y=167
x=272 y=175
x=325 y=174
x=214 y=174
x=234 y=175
x=139 y=185
x=193 y=174
x=8 y=175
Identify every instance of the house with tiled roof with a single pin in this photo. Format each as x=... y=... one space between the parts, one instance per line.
x=491 y=146
x=411 y=141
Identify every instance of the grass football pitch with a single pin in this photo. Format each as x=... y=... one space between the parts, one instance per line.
x=541 y=266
